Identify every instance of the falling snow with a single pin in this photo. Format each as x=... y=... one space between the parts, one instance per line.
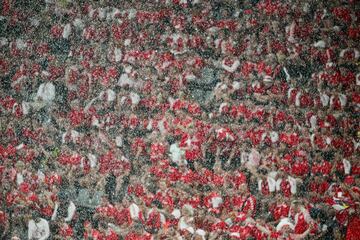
x=179 y=119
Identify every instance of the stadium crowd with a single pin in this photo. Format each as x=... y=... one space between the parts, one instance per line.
x=179 y=119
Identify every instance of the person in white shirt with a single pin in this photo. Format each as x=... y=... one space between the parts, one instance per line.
x=176 y=154
x=46 y=92
x=38 y=228
x=65 y=208
x=44 y=97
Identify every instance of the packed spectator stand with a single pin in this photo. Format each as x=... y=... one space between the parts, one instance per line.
x=179 y=119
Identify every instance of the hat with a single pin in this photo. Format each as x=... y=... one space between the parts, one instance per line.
x=284 y=222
